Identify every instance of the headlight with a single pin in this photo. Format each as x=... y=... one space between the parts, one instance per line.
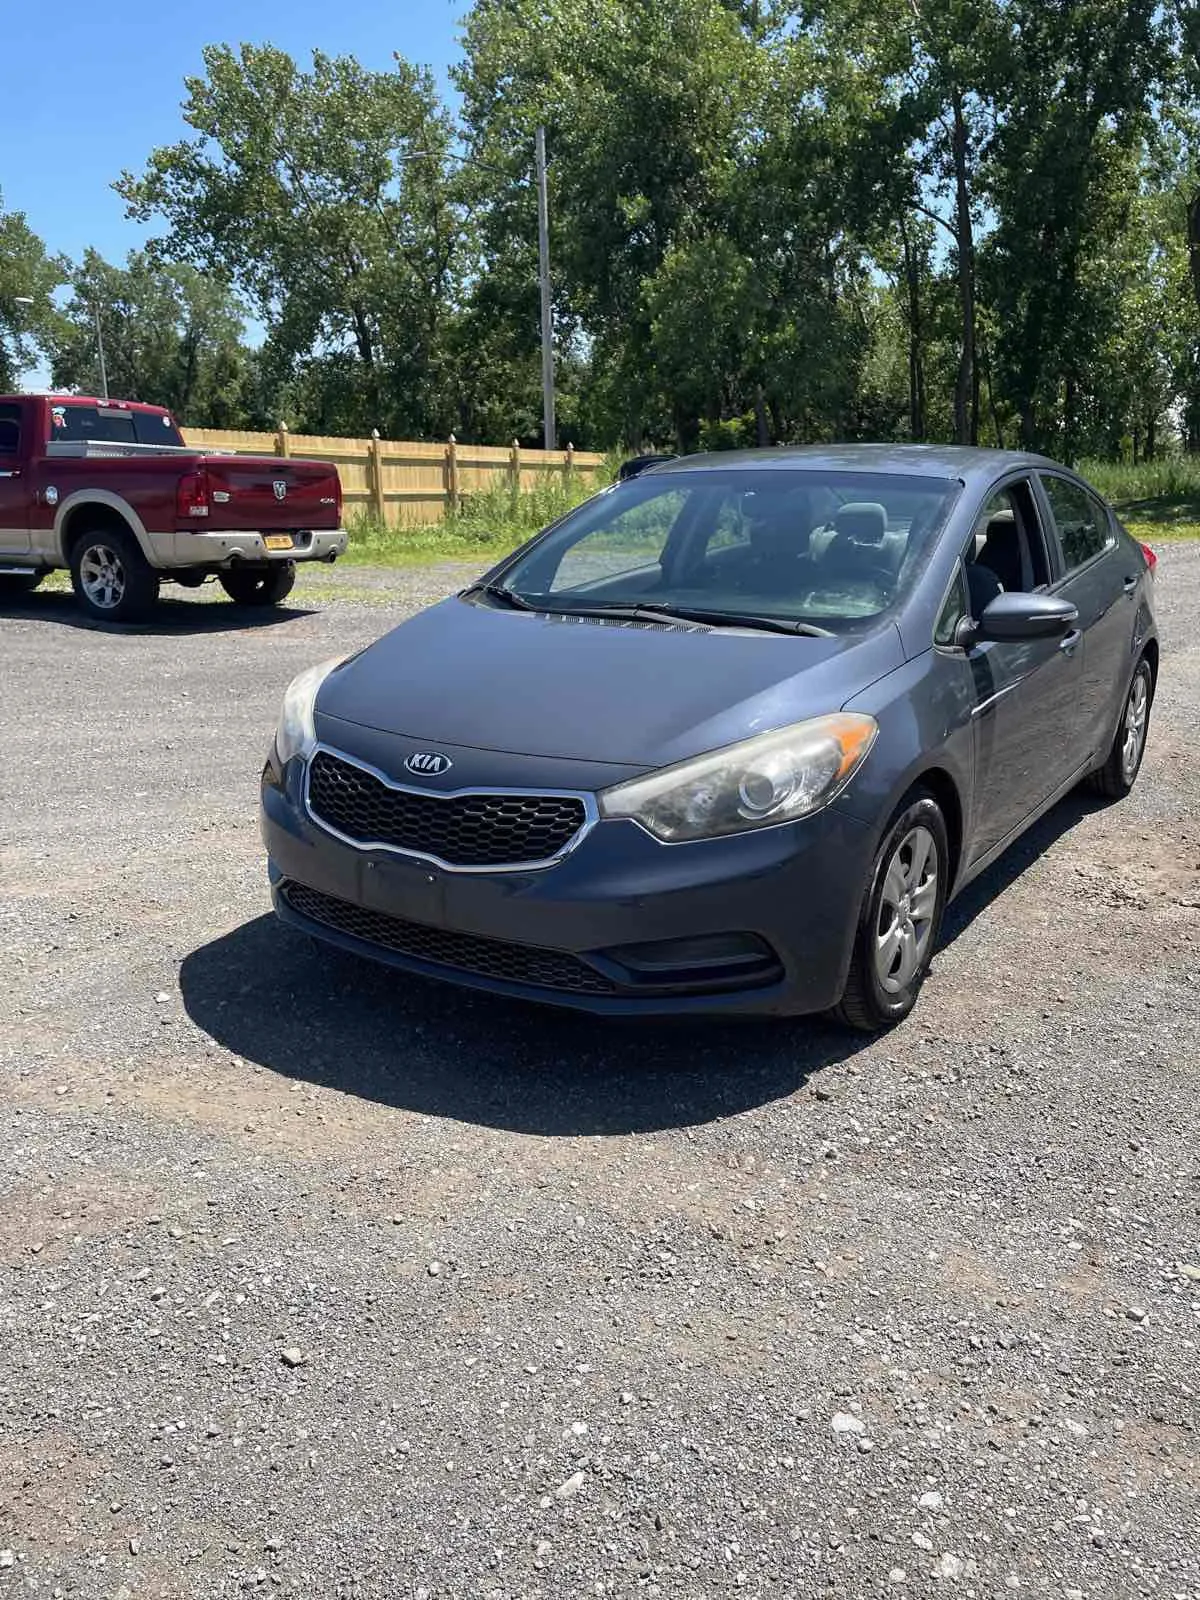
x=775 y=777
x=296 y=734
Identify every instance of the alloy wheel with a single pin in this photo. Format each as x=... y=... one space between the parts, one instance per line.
x=102 y=575
x=907 y=904
x=1137 y=709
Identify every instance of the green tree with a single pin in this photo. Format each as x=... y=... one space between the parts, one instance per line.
x=171 y=337
x=325 y=197
x=1080 y=79
x=645 y=105
x=27 y=272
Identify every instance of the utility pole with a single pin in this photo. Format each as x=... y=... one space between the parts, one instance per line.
x=549 y=430
x=100 y=350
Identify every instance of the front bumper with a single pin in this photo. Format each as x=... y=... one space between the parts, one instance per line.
x=562 y=935
x=196 y=548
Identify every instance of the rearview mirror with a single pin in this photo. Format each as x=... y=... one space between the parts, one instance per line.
x=1020 y=617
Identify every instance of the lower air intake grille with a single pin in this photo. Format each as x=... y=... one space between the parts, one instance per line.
x=463 y=952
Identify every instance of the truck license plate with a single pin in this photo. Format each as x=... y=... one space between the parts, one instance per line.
x=278 y=541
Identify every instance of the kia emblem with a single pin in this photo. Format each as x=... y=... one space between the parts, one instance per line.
x=280 y=488
x=429 y=763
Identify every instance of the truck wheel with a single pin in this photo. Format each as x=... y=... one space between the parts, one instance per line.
x=112 y=579
x=259 y=586
x=15 y=584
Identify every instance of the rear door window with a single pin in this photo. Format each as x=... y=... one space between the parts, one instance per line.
x=10 y=431
x=1083 y=525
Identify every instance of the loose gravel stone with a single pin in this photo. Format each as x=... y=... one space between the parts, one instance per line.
x=311 y=1132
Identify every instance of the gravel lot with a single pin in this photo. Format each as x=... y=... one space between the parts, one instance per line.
x=319 y=1281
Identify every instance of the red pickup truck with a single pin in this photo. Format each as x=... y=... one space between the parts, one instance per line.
x=108 y=489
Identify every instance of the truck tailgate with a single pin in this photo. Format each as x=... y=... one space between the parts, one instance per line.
x=252 y=492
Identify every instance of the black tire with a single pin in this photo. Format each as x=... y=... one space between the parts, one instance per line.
x=1121 y=766
x=869 y=1003
x=131 y=587
x=259 y=586
x=15 y=584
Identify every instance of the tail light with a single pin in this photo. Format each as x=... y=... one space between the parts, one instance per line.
x=191 y=496
x=337 y=491
x=1151 y=558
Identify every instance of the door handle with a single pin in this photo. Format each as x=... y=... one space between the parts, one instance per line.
x=1129 y=585
x=1071 y=643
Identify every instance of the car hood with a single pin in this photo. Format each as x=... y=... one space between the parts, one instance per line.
x=468 y=675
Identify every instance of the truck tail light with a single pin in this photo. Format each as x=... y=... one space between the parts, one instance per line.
x=191 y=496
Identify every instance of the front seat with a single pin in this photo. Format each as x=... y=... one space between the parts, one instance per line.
x=1001 y=552
x=778 y=528
x=858 y=547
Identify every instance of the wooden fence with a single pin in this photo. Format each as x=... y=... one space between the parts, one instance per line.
x=405 y=484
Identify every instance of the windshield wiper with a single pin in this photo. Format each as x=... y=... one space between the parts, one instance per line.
x=667 y=612
x=498 y=592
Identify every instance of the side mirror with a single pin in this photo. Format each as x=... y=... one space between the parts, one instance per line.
x=638 y=464
x=1020 y=617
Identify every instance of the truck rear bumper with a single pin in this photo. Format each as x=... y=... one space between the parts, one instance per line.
x=214 y=550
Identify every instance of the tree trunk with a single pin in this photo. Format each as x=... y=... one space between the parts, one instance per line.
x=762 y=422
x=916 y=364
x=1193 y=239
x=366 y=351
x=966 y=402
x=1151 y=436
x=1029 y=432
x=1069 y=430
x=986 y=366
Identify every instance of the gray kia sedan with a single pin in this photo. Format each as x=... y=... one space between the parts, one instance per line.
x=726 y=738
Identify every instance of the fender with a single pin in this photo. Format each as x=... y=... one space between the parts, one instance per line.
x=1145 y=635
x=110 y=502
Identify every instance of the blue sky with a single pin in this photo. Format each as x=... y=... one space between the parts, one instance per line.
x=87 y=90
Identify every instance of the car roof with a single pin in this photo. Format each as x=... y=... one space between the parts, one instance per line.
x=965 y=462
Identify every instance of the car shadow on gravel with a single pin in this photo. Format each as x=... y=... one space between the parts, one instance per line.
x=172 y=615
x=272 y=997
x=1003 y=873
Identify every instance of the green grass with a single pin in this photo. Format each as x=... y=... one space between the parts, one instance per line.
x=485 y=528
x=1155 y=499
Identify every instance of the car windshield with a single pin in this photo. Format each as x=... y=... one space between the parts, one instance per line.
x=818 y=548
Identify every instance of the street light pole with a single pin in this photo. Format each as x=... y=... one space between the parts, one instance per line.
x=100 y=348
x=26 y=300
x=549 y=427
x=549 y=430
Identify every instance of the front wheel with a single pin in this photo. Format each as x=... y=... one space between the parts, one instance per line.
x=1124 y=761
x=900 y=920
x=112 y=579
x=259 y=586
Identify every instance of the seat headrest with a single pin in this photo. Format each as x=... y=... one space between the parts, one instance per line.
x=778 y=520
x=864 y=520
